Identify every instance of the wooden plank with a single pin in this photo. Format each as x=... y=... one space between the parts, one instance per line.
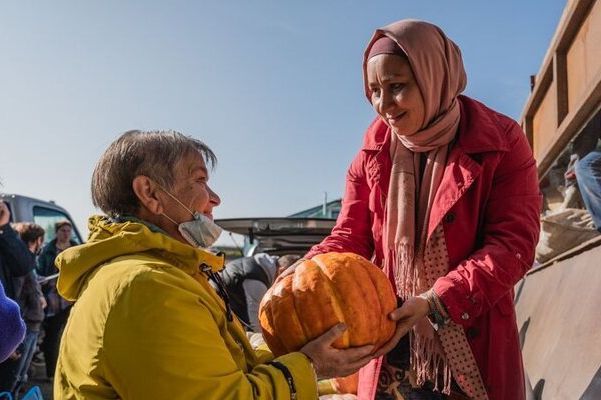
x=573 y=15
x=558 y=316
x=589 y=244
x=541 y=87
x=544 y=123
x=560 y=72
x=546 y=136
x=584 y=56
x=571 y=125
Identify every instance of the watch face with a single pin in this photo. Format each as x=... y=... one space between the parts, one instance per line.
x=437 y=319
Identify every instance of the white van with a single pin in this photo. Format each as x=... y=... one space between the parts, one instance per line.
x=43 y=213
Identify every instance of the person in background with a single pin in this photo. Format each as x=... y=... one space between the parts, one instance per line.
x=12 y=327
x=57 y=309
x=247 y=279
x=146 y=323
x=30 y=299
x=587 y=168
x=15 y=262
x=588 y=175
x=444 y=195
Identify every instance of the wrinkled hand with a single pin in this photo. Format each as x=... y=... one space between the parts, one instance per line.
x=412 y=310
x=4 y=214
x=330 y=362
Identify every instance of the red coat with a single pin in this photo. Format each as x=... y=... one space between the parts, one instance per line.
x=489 y=204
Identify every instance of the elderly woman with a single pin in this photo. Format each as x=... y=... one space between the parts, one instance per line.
x=146 y=324
x=444 y=195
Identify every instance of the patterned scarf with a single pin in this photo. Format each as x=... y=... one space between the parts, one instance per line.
x=410 y=198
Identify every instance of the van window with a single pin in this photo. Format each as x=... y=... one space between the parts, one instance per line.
x=47 y=217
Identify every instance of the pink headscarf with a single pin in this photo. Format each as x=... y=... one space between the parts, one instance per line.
x=437 y=66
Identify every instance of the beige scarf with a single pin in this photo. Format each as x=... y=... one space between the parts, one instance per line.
x=410 y=198
x=416 y=262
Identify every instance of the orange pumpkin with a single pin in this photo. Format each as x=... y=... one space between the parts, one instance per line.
x=324 y=291
x=347 y=384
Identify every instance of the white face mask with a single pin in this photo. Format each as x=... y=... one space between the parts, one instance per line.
x=201 y=231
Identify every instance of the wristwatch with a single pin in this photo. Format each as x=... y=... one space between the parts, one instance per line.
x=437 y=315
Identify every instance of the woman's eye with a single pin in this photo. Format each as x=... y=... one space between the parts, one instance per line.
x=397 y=86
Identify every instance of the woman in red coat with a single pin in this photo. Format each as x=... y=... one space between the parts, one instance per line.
x=444 y=195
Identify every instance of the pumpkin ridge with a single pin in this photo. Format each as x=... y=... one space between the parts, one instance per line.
x=289 y=321
x=277 y=345
x=295 y=317
x=344 y=340
x=300 y=298
x=294 y=314
x=373 y=297
x=380 y=307
x=384 y=321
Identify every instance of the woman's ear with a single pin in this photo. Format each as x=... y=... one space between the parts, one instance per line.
x=147 y=193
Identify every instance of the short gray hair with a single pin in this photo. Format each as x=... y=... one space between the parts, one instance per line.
x=154 y=154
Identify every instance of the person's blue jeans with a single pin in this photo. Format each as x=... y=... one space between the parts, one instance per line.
x=29 y=346
x=588 y=175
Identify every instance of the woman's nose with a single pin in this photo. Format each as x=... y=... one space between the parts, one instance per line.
x=385 y=103
x=214 y=198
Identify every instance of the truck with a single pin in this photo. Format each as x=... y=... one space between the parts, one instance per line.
x=558 y=301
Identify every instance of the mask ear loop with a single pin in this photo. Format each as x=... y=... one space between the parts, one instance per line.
x=178 y=202
x=169 y=218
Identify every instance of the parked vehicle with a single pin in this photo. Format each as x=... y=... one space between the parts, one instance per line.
x=558 y=302
x=278 y=236
x=43 y=213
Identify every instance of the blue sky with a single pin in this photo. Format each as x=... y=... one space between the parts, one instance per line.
x=273 y=87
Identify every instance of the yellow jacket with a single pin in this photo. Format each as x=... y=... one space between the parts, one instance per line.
x=147 y=325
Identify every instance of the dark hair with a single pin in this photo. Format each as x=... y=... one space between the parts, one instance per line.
x=60 y=224
x=154 y=154
x=29 y=232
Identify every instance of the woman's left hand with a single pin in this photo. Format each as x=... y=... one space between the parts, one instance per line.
x=412 y=310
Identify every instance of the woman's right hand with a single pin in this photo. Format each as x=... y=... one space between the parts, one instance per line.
x=330 y=362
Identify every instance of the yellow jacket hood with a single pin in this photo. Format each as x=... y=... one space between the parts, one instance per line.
x=108 y=240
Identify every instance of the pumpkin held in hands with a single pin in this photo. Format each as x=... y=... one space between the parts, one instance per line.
x=322 y=292
x=347 y=384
